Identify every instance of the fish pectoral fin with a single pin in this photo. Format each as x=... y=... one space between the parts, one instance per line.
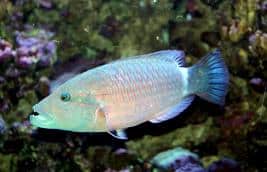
x=102 y=112
x=99 y=113
x=173 y=111
x=119 y=134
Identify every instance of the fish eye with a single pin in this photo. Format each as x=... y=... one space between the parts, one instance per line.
x=65 y=96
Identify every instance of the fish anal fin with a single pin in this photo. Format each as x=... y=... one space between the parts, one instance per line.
x=173 y=111
x=99 y=113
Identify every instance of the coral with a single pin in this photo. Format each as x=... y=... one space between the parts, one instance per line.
x=258 y=43
x=35 y=49
x=177 y=159
x=17 y=66
x=244 y=18
x=47 y=4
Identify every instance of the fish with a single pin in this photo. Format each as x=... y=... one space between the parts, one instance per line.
x=153 y=87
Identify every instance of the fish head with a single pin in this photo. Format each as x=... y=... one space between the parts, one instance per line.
x=69 y=107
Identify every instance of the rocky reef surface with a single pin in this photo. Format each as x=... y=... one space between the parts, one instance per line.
x=45 y=42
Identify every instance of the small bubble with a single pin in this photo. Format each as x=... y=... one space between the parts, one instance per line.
x=188 y=17
x=86 y=29
x=157 y=37
x=142 y=4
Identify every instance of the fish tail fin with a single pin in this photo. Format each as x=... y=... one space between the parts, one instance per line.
x=209 y=78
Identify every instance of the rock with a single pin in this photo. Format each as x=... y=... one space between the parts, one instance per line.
x=178 y=159
x=191 y=135
x=224 y=165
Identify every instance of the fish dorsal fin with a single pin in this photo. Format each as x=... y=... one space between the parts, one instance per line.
x=173 y=111
x=119 y=134
x=165 y=55
x=169 y=55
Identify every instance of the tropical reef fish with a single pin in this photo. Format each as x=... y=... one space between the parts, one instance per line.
x=153 y=87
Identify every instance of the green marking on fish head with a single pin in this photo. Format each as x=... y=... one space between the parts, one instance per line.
x=70 y=107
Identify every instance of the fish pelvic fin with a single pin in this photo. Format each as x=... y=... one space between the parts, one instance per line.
x=209 y=78
x=119 y=134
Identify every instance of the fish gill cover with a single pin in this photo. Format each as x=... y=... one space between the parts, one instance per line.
x=43 y=41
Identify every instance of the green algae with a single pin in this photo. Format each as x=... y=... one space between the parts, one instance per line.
x=189 y=136
x=8 y=163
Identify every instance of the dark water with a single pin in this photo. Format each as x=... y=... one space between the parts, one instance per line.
x=46 y=42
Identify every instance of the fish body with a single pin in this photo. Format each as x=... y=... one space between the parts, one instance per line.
x=137 y=90
x=153 y=87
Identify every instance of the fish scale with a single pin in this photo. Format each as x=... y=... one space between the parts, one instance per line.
x=140 y=87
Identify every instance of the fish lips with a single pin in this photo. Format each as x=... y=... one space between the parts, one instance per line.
x=41 y=119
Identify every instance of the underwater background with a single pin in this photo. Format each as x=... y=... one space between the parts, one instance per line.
x=45 y=42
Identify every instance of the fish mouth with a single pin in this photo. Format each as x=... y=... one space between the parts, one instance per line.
x=41 y=119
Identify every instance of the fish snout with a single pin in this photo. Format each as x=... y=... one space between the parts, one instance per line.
x=41 y=119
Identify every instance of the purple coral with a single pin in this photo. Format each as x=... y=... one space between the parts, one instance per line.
x=258 y=84
x=46 y=53
x=47 y=4
x=26 y=57
x=258 y=43
x=256 y=81
x=36 y=49
x=187 y=163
